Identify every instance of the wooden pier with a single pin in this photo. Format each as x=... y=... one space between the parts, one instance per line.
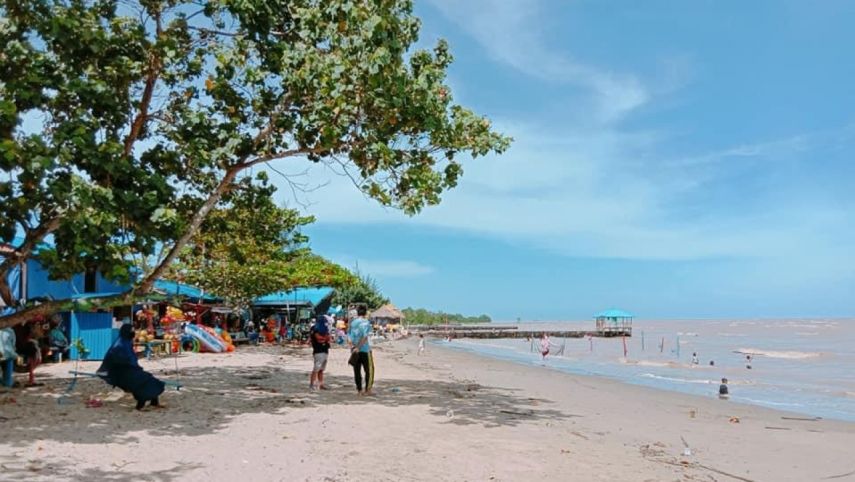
x=483 y=332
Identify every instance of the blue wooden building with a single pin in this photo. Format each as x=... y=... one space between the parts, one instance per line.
x=30 y=281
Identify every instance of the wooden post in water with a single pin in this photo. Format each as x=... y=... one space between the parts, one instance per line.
x=642 y=340
x=624 y=345
x=662 y=345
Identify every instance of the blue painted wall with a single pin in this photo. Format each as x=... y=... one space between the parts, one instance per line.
x=96 y=331
x=39 y=284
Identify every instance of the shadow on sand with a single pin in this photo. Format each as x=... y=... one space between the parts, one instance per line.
x=233 y=391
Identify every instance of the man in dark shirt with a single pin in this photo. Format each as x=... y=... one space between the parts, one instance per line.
x=320 y=337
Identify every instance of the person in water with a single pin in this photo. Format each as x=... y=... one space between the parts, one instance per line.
x=544 y=346
x=121 y=369
x=695 y=359
x=748 y=362
x=723 y=392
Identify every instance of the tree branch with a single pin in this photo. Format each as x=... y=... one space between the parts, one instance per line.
x=33 y=238
x=150 y=83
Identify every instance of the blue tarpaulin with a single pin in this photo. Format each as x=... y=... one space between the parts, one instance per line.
x=297 y=296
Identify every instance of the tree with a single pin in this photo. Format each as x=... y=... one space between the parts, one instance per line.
x=249 y=246
x=422 y=316
x=149 y=111
x=364 y=290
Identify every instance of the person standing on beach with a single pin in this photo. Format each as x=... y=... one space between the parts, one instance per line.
x=748 y=362
x=358 y=333
x=421 y=344
x=319 y=335
x=695 y=360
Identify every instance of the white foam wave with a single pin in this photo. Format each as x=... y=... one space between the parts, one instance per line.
x=789 y=355
x=679 y=380
x=647 y=363
x=774 y=404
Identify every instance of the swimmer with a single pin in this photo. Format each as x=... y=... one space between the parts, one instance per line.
x=723 y=392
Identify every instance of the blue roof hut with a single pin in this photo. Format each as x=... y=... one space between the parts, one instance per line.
x=614 y=322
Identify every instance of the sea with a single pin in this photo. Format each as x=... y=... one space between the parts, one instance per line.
x=805 y=366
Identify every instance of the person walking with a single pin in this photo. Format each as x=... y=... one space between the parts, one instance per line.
x=319 y=335
x=363 y=359
x=421 y=344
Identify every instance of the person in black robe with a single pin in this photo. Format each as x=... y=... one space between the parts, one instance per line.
x=120 y=368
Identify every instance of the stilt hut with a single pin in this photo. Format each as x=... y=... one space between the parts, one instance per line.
x=614 y=322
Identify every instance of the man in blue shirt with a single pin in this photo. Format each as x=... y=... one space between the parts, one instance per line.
x=361 y=350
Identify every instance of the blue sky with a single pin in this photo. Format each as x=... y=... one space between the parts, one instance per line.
x=675 y=159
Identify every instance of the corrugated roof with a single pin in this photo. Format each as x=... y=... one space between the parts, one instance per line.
x=298 y=296
x=87 y=296
x=173 y=288
x=614 y=314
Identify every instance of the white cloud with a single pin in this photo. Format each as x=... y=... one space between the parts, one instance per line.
x=582 y=193
x=383 y=268
x=509 y=30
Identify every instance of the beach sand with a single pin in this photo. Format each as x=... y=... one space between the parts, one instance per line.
x=249 y=416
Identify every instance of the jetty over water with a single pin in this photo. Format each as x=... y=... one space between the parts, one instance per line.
x=511 y=331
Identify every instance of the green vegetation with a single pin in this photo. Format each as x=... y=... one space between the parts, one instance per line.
x=248 y=247
x=421 y=316
x=123 y=125
x=364 y=290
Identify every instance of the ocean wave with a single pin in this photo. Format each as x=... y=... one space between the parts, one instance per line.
x=789 y=355
x=770 y=403
x=647 y=363
x=679 y=380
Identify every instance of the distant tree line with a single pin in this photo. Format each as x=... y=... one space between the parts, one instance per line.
x=421 y=316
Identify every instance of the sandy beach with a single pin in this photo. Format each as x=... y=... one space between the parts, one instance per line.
x=445 y=416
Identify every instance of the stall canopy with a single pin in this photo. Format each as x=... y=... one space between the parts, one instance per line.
x=296 y=297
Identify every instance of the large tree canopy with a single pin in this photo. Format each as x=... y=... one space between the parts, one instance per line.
x=122 y=124
x=248 y=247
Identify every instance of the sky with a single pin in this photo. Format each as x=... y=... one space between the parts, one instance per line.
x=673 y=159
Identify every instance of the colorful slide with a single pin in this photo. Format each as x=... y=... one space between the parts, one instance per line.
x=208 y=339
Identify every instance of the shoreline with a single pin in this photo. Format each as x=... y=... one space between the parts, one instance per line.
x=711 y=382
x=449 y=415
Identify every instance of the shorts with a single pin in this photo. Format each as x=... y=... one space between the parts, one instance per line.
x=320 y=361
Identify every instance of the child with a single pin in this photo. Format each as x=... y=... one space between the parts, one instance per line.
x=723 y=393
x=695 y=360
x=320 y=338
x=421 y=344
x=27 y=346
